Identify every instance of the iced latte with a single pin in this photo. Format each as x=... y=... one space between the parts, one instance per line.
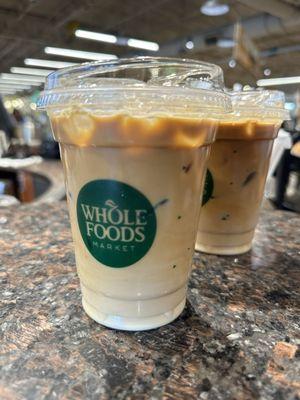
x=237 y=170
x=134 y=139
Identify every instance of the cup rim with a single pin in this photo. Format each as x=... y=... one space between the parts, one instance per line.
x=258 y=103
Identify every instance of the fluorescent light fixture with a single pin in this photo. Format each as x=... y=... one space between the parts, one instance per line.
x=35 y=62
x=23 y=78
x=213 y=8
x=6 y=91
x=100 y=37
x=5 y=82
x=14 y=87
x=108 y=38
x=11 y=83
x=189 y=45
x=289 y=80
x=30 y=71
x=225 y=43
x=143 y=44
x=86 y=55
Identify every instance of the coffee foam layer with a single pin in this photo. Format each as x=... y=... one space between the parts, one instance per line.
x=248 y=129
x=83 y=128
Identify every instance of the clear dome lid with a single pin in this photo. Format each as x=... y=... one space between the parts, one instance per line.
x=143 y=85
x=259 y=103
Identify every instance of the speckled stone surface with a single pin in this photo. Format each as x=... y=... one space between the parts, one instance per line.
x=237 y=338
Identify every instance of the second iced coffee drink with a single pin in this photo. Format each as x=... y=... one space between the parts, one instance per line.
x=237 y=171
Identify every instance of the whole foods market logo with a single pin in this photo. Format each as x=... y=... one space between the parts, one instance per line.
x=117 y=222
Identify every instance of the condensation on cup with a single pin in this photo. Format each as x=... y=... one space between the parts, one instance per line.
x=134 y=138
x=237 y=171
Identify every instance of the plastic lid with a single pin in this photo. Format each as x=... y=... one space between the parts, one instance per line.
x=259 y=103
x=142 y=86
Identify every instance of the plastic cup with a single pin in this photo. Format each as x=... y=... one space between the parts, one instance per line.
x=237 y=171
x=134 y=138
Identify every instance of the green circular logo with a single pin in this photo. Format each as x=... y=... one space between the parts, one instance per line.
x=208 y=187
x=117 y=222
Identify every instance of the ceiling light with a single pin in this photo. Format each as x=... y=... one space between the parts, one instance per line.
x=278 y=81
x=31 y=71
x=14 y=87
x=267 y=72
x=108 y=38
x=214 y=8
x=225 y=43
x=24 y=78
x=86 y=55
x=7 y=83
x=35 y=62
x=189 y=45
x=100 y=37
x=232 y=63
x=11 y=83
x=143 y=44
x=7 y=91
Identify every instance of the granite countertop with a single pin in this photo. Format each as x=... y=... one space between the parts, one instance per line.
x=236 y=339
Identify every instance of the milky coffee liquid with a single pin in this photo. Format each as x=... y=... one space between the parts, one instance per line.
x=237 y=171
x=133 y=187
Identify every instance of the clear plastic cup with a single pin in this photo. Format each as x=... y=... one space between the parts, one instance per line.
x=237 y=171
x=134 y=138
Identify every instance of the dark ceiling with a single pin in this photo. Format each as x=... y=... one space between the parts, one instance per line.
x=26 y=27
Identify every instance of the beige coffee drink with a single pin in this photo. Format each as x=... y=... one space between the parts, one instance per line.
x=134 y=154
x=237 y=171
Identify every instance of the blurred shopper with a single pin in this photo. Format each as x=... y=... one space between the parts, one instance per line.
x=25 y=127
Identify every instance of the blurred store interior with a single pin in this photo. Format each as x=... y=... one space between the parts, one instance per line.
x=257 y=43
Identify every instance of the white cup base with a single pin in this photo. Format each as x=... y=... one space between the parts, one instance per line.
x=224 y=243
x=224 y=250
x=131 y=323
